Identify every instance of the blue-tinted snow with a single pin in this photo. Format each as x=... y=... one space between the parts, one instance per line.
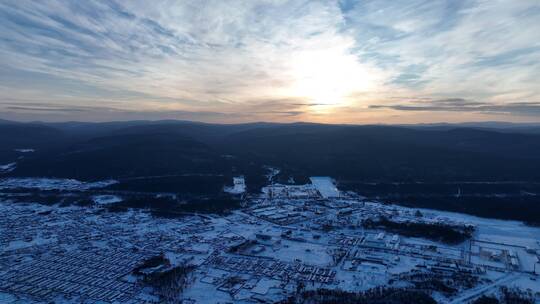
x=325 y=185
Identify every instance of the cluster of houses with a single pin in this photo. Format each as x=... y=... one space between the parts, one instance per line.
x=97 y=276
x=272 y=268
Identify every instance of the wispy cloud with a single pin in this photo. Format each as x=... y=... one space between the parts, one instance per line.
x=269 y=60
x=462 y=105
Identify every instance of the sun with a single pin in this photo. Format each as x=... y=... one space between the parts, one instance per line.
x=328 y=77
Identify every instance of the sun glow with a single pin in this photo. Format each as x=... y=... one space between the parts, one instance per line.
x=328 y=77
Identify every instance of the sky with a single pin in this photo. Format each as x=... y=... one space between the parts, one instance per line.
x=358 y=62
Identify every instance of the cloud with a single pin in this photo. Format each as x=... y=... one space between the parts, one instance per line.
x=44 y=109
x=46 y=113
x=271 y=60
x=26 y=110
x=462 y=105
x=478 y=49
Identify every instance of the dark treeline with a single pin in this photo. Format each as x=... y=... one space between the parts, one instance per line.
x=381 y=295
x=449 y=285
x=502 y=201
x=166 y=206
x=170 y=284
x=436 y=232
x=402 y=189
x=190 y=184
x=486 y=300
x=159 y=205
x=151 y=262
x=516 y=296
x=507 y=296
x=48 y=198
x=522 y=208
x=362 y=153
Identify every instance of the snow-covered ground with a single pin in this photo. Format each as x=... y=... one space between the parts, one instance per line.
x=22 y=150
x=7 y=298
x=319 y=241
x=37 y=241
x=239 y=186
x=291 y=251
x=325 y=185
x=264 y=285
x=7 y=167
x=494 y=230
x=106 y=199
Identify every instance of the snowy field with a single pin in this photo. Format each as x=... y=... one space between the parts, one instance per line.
x=106 y=199
x=291 y=251
x=22 y=150
x=325 y=185
x=239 y=186
x=494 y=230
x=7 y=167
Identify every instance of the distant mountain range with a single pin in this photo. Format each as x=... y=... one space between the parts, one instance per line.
x=494 y=166
x=489 y=151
